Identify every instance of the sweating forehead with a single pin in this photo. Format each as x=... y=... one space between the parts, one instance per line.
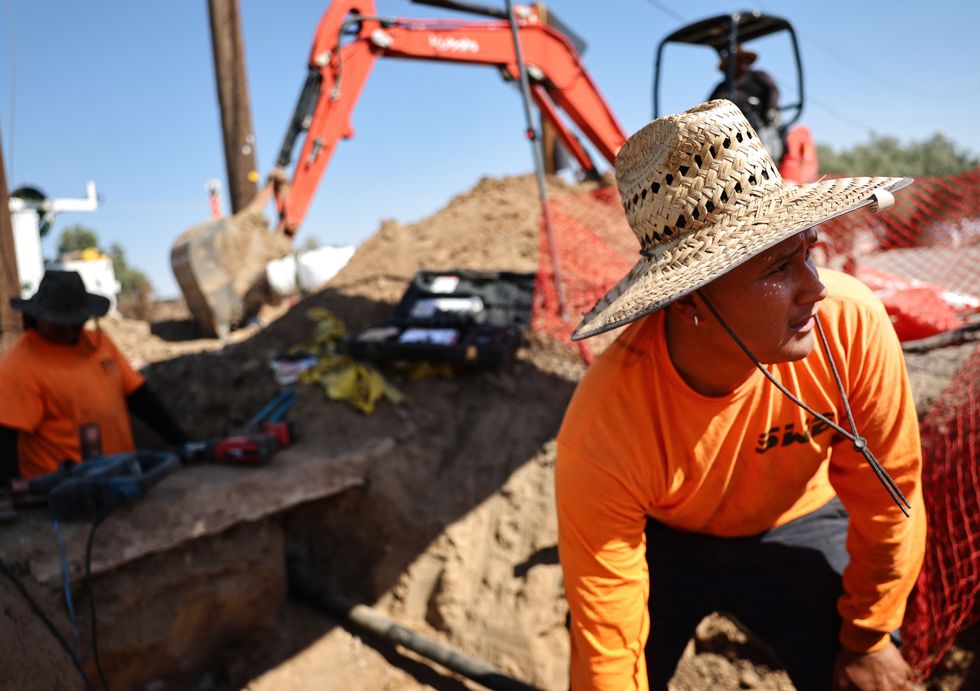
x=790 y=244
x=749 y=270
x=778 y=252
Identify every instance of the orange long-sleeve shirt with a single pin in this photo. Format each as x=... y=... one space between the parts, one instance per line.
x=637 y=441
x=48 y=390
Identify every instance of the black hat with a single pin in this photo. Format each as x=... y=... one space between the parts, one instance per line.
x=62 y=299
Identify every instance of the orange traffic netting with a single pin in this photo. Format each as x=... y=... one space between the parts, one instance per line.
x=595 y=248
x=945 y=599
x=921 y=257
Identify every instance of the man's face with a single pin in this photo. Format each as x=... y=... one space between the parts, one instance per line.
x=64 y=334
x=770 y=301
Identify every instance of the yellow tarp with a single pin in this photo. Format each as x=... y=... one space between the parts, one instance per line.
x=343 y=379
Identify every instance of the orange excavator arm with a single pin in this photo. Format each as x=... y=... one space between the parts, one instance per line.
x=351 y=37
x=220 y=265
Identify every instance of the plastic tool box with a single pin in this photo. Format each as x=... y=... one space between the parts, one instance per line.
x=461 y=317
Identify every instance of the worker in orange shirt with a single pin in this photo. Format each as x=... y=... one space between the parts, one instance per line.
x=59 y=381
x=749 y=443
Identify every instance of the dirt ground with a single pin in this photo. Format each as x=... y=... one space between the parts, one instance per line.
x=455 y=535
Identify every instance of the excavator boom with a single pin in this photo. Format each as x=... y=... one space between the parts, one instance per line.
x=348 y=41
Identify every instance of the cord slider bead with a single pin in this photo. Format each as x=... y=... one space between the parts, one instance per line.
x=860 y=444
x=883 y=199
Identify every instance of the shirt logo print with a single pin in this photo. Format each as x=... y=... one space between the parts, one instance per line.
x=108 y=366
x=787 y=434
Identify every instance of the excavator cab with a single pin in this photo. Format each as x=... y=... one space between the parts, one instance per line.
x=727 y=34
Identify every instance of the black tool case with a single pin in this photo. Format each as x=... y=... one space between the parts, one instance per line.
x=461 y=317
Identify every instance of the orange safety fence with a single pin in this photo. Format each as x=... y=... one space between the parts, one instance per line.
x=945 y=599
x=595 y=248
x=921 y=257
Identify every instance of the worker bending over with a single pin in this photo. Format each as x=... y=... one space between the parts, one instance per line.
x=688 y=481
x=59 y=381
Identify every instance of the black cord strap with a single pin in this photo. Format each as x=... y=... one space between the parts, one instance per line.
x=91 y=598
x=36 y=608
x=859 y=442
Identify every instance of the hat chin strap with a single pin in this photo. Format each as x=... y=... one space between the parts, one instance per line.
x=859 y=442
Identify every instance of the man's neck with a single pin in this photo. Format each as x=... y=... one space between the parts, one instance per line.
x=710 y=367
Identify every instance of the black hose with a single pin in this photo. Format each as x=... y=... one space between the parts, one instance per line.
x=379 y=625
x=36 y=608
x=91 y=599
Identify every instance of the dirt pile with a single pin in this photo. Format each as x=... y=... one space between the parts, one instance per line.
x=454 y=535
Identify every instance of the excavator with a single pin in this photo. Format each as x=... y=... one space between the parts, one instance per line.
x=220 y=264
x=725 y=34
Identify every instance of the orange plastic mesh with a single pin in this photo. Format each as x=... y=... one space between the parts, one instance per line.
x=920 y=256
x=945 y=600
x=595 y=248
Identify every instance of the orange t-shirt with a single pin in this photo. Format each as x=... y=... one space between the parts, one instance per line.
x=637 y=441
x=48 y=390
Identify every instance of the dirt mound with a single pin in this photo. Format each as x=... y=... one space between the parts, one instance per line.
x=455 y=534
x=495 y=226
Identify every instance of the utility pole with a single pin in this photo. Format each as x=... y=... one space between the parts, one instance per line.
x=10 y=320
x=236 y=118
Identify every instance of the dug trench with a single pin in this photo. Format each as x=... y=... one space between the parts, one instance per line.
x=447 y=527
x=453 y=532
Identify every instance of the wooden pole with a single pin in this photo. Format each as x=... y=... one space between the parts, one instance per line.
x=236 y=119
x=10 y=319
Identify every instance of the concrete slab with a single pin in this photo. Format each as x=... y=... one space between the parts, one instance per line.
x=193 y=502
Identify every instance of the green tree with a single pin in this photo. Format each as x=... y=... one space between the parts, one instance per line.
x=76 y=238
x=133 y=282
x=937 y=155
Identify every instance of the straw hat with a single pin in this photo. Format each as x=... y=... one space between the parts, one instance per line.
x=62 y=299
x=702 y=196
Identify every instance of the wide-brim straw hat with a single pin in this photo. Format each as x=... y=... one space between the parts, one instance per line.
x=61 y=298
x=702 y=195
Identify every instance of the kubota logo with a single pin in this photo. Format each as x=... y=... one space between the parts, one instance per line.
x=454 y=45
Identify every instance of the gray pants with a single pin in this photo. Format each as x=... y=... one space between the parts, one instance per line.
x=783 y=585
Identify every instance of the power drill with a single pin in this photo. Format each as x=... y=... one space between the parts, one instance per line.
x=261 y=437
x=242 y=449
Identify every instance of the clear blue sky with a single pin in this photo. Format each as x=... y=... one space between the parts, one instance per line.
x=123 y=93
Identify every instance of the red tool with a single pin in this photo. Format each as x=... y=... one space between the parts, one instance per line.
x=283 y=432
x=245 y=448
x=270 y=418
x=261 y=437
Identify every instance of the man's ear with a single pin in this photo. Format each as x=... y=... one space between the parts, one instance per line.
x=686 y=308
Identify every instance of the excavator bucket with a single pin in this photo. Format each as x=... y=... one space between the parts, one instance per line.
x=220 y=267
